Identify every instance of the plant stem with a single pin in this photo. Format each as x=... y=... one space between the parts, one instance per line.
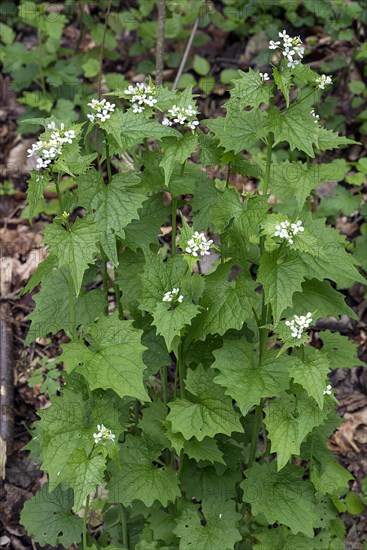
x=72 y=309
x=125 y=538
x=228 y=173
x=265 y=311
x=105 y=279
x=85 y=519
x=159 y=53
x=174 y=226
x=59 y=196
x=108 y=159
x=186 y=53
x=255 y=433
x=181 y=370
x=102 y=49
x=164 y=374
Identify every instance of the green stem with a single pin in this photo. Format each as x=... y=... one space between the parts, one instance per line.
x=255 y=433
x=108 y=159
x=117 y=292
x=85 y=519
x=265 y=310
x=181 y=370
x=40 y=57
x=174 y=226
x=125 y=538
x=59 y=195
x=164 y=374
x=72 y=309
x=228 y=173
x=105 y=279
x=296 y=104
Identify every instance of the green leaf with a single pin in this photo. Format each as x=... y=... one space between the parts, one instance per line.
x=67 y=436
x=311 y=375
x=144 y=231
x=226 y=305
x=288 y=499
x=130 y=263
x=43 y=269
x=207 y=449
x=282 y=538
x=319 y=296
x=244 y=379
x=281 y=278
x=239 y=130
x=248 y=91
x=288 y=421
x=341 y=200
x=73 y=163
x=283 y=80
x=114 y=358
x=52 y=312
x=135 y=477
x=112 y=206
x=210 y=414
x=340 y=350
x=327 y=139
x=220 y=529
x=130 y=128
x=74 y=248
x=206 y=484
x=91 y=68
x=201 y=65
x=171 y=320
x=327 y=475
x=37 y=183
x=48 y=518
x=176 y=151
x=296 y=126
x=331 y=260
x=297 y=179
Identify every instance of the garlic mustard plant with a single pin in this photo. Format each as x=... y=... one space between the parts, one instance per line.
x=215 y=391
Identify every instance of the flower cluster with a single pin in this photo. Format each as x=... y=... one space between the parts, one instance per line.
x=264 y=77
x=291 y=47
x=141 y=95
x=173 y=296
x=103 y=434
x=198 y=244
x=316 y=117
x=328 y=389
x=299 y=324
x=323 y=81
x=181 y=115
x=287 y=230
x=48 y=150
x=103 y=109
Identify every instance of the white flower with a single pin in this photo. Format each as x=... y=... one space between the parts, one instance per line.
x=323 y=81
x=103 y=434
x=327 y=390
x=316 y=117
x=287 y=230
x=48 y=149
x=198 y=244
x=192 y=125
x=264 y=76
x=273 y=45
x=185 y=116
x=299 y=324
x=102 y=109
x=142 y=95
x=173 y=296
x=292 y=63
x=291 y=47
